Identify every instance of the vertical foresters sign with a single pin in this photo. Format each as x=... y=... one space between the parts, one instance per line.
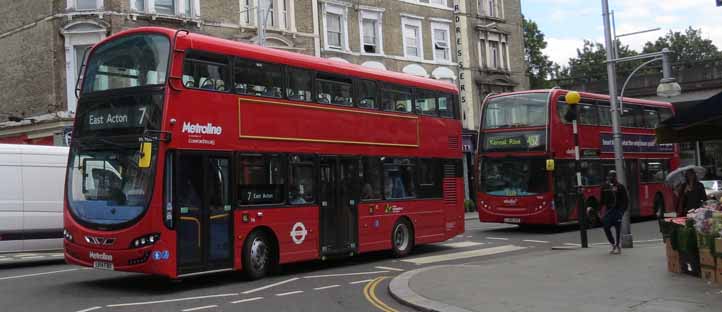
x=635 y=143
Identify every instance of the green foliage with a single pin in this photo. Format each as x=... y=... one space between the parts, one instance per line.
x=688 y=47
x=469 y=205
x=538 y=66
x=590 y=63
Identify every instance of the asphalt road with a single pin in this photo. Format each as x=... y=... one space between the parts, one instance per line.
x=353 y=284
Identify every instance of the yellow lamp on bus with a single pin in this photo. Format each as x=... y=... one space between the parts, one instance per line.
x=146 y=151
x=550 y=164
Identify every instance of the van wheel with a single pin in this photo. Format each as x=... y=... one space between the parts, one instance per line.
x=402 y=238
x=257 y=255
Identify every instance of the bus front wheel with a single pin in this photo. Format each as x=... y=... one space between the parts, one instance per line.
x=257 y=255
x=402 y=238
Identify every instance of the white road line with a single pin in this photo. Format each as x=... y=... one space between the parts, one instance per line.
x=469 y=236
x=35 y=274
x=89 y=309
x=167 y=300
x=327 y=287
x=648 y=240
x=465 y=254
x=462 y=244
x=497 y=238
x=269 y=286
x=289 y=293
x=57 y=255
x=389 y=268
x=598 y=244
x=199 y=308
x=24 y=254
x=5 y=259
x=359 y=282
x=572 y=244
x=247 y=300
x=535 y=241
x=346 y=274
x=31 y=257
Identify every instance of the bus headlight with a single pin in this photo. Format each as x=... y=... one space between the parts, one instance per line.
x=146 y=240
x=67 y=235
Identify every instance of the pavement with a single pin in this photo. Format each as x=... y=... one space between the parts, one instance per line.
x=573 y=280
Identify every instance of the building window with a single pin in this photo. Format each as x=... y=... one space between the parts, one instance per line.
x=276 y=13
x=434 y=2
x=267 y=12
x=84 y=5
x=491 y=8
x=442 y=48
x=413 y=40
x=371 y=33
x=186 y=8
x=333 y=30
x=494 y=51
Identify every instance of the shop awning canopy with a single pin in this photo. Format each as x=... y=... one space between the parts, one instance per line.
x=700 y=122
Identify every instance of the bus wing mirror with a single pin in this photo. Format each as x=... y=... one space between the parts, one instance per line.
x=146 y=152
x=550 y=164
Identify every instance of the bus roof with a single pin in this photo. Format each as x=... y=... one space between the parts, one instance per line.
x=241 y=49
x=589 y=95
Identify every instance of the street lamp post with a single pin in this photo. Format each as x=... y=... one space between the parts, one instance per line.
x=668 y=87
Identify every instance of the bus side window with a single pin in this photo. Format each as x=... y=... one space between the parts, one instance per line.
x=258 y=78
x=205 y=71
x=605 y=114
x=300 y=84
x=260 y=179
x=651 y=118
x=334 y=90
x=397 y=99
x=426 y=102
x=664 y=114
x=588 y=114
x=301 y=180
x=446 y=106
x=371 y=177
x=367 y=94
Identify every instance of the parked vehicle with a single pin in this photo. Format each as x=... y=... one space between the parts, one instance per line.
x=713 y=188
x=31 y=197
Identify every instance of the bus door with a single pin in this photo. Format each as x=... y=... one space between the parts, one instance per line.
x=203 y=205
x=631 y=168
x=565 y=193
x=339 y=197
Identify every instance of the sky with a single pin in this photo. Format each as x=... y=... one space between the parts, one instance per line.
x=567 y=23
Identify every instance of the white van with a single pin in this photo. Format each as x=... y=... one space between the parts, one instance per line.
x=32 y=179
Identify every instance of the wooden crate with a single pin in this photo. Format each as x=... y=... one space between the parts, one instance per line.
x=709 y=274
x=706 y=258
x=672 y=258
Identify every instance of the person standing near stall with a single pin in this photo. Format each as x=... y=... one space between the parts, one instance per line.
x=691 y=193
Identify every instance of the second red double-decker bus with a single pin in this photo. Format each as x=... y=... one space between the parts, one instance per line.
x=192 y=154
x=526 y=155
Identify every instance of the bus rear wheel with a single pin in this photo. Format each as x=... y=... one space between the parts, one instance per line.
x=257 y=255
x=402 y=238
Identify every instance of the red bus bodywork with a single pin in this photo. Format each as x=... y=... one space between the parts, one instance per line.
x=262 y=125
x=548 y=207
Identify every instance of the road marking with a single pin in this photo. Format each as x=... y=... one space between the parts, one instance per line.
x=648 y=241
x=89 y=309
x=24 y=255
x=5 y=259
x=389 y=268
x=535 y=241
x=598 y=244
x=57 y=255
x=462 y=244
x=36 y=274
x=469 y=236
x=346 y=274
x=359 y=282
x=269 y=286
x=199 y=308
x=498 y=238
x=572 y=244
x=31 y=257
x=327 y=287
x=289 y=293
x=167 y=300
x=247 y=300
x=465 y=254
x=370 y=294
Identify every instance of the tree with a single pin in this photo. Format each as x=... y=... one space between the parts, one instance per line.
x=590 y=63
x=538 y=66
x=688 y=47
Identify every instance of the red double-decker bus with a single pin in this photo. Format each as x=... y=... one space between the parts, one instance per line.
x=192 y=154
x=525 y=163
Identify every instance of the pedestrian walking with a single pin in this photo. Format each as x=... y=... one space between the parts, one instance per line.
x=614 y=201
x=691 y=193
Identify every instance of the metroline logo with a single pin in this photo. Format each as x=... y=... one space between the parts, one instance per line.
x=196 y=128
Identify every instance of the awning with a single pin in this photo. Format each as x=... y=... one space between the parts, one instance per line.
x=700 y=122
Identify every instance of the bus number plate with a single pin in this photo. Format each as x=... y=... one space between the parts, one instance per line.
x=102 y=265
x=512 y=220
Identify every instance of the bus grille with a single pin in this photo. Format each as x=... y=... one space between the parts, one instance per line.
x=453 y=143
x=449 y=184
